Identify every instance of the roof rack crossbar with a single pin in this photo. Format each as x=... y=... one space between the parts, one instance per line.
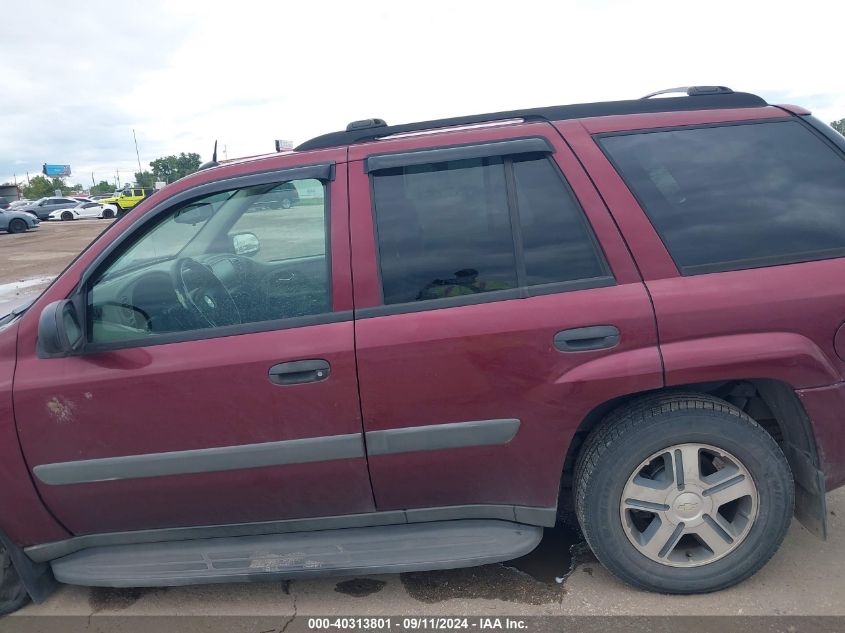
x=697 y=100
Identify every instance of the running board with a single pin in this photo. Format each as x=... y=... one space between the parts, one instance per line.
x=370 y=550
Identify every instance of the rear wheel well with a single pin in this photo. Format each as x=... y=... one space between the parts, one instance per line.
x=771 y=403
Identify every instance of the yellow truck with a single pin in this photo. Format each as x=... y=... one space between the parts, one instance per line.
x=128 y=198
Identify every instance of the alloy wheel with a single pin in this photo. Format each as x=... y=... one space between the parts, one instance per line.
x=688 y=505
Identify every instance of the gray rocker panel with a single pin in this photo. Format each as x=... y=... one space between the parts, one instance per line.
x=373 y=550
x=530 y=515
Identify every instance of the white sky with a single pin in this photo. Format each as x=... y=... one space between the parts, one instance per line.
x=76 y=78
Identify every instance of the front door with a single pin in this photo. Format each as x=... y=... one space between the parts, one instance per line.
x=496 y=309
x=217 y=384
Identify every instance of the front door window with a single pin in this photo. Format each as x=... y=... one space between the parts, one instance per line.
x=234 y=258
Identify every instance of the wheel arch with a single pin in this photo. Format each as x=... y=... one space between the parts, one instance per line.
x=773 y=404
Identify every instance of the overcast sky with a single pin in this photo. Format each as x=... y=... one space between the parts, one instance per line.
x=76 y=78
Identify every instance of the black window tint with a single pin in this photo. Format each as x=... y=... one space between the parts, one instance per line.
x=737 y=196
x=557 y=244
x=444 y=230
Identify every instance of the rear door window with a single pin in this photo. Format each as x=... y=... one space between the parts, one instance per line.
x=468 y=227
x=557 y=244
x=737 y=196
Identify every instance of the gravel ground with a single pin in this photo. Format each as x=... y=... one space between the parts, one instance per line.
x=31 y=260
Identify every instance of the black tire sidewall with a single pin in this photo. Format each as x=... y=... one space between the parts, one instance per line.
x=741 y=438
x=67 y=215
x=13 y=594
x=17 y=226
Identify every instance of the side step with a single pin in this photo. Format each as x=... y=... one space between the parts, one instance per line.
x=369 y=550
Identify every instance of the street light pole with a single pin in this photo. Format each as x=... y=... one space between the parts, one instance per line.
x=137 y=154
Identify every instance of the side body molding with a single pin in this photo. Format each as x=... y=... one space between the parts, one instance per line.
x=299 y=451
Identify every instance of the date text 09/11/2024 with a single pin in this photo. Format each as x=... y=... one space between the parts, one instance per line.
x=416 y=623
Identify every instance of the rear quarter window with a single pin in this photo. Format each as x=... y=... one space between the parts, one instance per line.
x=737 y=196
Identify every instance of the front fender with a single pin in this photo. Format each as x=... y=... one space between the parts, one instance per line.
x=23 y=517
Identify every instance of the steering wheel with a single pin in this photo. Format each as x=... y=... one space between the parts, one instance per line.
x=205 y=293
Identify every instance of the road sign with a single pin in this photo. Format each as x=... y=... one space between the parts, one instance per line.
x=55 y=170
x=282 y=145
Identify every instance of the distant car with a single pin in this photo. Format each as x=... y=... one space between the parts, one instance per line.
x=15 y=204
x=102 y=196
x=45 y=206
x=4 y=204
x=127 y=198
x=83 y=210
x=284 y=196
x=17 y=221
x=82 y=198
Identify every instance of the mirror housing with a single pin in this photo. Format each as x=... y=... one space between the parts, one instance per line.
x=59 y=330
x=194 y=214
x=245 y=244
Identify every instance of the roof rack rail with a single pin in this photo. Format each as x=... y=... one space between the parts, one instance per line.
x=692 y=91
x=698 y=98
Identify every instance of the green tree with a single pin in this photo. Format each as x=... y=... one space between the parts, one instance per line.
x=104 y=186
x=41 y=186
x=839 y=126
x=144 y=179
x=170 y=168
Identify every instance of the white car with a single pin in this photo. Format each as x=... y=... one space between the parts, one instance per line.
x=84 y=210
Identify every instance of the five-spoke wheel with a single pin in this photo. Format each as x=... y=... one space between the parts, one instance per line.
x=689 y=504
x=682 y=493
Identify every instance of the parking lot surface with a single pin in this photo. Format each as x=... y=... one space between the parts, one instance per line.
x=31 y=260
x=806 y=577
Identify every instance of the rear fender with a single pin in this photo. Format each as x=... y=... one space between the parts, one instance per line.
x=785 y=356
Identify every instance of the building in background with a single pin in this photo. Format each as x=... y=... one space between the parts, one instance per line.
x=10 y=192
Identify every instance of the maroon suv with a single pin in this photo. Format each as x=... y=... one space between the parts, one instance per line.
x=461 y=332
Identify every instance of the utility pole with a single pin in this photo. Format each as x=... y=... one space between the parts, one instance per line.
x=27 y=179
x=137 y=154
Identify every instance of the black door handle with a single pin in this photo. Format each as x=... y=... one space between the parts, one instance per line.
x=298 y=372
x=581 y=339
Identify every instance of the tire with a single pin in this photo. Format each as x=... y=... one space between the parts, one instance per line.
x=67 y=215
x=627 y=453
x=17 y=226
x=108 y=214
x=13 y=595
x=287 y=203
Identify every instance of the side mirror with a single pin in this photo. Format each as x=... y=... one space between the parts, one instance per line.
x=59 y=330
x=245 y=244
x=194 y=214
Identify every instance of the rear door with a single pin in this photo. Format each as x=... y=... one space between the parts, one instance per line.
x=217 y=384
x=496 y=307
